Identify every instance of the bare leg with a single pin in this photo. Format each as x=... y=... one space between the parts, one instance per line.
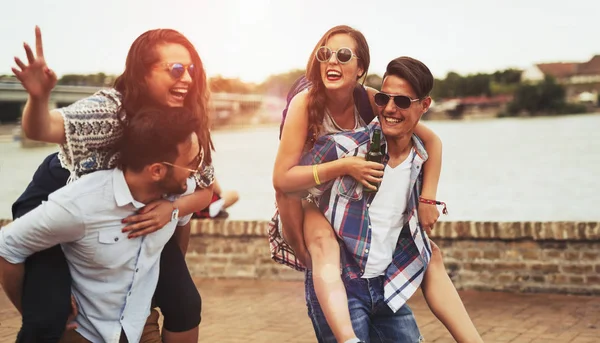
x=324 y=250
x=230 y=198
x=291 y=218
x=444 y=301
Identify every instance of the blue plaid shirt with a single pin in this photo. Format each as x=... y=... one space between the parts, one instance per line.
x=347 y=209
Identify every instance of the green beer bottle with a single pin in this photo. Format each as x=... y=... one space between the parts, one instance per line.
x=374 y=155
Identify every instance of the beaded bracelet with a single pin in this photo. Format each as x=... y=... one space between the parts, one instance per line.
x=434 y=202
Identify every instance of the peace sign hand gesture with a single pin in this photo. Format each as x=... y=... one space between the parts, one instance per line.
x=36 y=77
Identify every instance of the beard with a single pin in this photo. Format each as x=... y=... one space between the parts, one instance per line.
x=169 y=185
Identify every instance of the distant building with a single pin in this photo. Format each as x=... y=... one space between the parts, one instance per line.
x=577 y=77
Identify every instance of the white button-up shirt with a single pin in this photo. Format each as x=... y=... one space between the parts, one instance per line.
x=114 y=277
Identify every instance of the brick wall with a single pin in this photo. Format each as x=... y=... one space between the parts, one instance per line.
x=224 y=249
x=558 y=257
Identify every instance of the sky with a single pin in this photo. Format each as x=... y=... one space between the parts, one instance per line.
x=252 y=39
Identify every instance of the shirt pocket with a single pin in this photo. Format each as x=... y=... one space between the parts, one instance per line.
x=114 y=248
x=349 y=188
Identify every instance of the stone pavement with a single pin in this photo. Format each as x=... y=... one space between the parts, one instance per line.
x=238 y=310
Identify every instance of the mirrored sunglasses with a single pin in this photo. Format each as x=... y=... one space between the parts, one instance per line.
x=343 y=55
x=178 y=69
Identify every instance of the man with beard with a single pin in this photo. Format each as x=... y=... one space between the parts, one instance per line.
x=114 y=277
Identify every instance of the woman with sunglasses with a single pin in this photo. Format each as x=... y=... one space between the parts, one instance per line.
x=162 y=69
x=339 y=60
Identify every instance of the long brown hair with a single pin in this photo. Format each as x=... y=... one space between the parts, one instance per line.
x=132 y=83
x=316 y=94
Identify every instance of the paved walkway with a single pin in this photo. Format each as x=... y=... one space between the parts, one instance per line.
x=275 y=311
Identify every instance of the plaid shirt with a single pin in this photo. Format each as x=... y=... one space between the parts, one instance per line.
x=347 y=209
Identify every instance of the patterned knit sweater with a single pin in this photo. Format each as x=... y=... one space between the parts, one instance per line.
x=92 y=129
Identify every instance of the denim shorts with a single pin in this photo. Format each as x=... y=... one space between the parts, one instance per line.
x=372 y=319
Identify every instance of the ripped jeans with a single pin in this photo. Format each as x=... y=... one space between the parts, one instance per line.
x=372 y=319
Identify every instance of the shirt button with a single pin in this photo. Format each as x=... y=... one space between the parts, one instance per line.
x=137 y=270
x=122 y=317
x=368 y=205
x=116 y=239
x=129 y=294
x=367 y=251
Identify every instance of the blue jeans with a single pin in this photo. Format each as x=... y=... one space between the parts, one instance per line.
x=372 y=319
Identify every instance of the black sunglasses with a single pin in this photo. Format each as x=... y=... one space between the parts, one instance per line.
x=178 y=69
x=343 y=55
x=401 y=101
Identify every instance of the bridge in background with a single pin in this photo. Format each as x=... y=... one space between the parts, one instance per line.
x=13 y=97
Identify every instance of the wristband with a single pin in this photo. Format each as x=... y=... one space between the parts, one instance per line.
x=316 y=175
x=434 y=202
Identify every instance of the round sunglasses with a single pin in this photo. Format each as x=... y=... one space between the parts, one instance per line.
x=401 y=101
x=343 y=55
x=178 y=69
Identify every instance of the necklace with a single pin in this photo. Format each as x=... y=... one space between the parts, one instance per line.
x=338 y=127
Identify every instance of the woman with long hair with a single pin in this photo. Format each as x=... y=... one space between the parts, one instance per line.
x=162 y=69
x=339 y=60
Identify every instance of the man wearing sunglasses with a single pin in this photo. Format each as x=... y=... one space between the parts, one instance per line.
x=113 y=277
x=384 y=249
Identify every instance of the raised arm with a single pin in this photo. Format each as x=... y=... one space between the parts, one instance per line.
x=38 y=122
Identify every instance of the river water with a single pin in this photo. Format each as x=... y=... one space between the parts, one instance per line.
x=513 y=169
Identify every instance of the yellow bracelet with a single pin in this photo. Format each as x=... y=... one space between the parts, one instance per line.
x=316 y=175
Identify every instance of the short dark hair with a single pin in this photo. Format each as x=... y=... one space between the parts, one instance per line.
x=153 y=134
x=414 y=71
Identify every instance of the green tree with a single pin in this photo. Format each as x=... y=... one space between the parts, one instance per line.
x=480 y=84
x=219 y=84
x=547 y=97
x=374 y=81
x=280 y=84
x=508 y=76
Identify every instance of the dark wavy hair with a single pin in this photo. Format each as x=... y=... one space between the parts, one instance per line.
x=316 y=94
x=132 y=83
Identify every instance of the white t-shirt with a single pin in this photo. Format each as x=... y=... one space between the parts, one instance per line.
x=387 y=215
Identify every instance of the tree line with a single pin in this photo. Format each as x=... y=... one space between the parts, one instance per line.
x=546 y=97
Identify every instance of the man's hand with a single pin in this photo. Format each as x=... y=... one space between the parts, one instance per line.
x=363 y=171
x=71 y=324
x=36 y=77
x=149 y=219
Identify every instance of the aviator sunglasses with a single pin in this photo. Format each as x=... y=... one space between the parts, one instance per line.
x=197 y=162
x=401 y=101
x=343 y=55
x=178 y=69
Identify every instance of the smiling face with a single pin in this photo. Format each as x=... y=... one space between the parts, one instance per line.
x=397 y=122
x=334 y=74
x=163 y=87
